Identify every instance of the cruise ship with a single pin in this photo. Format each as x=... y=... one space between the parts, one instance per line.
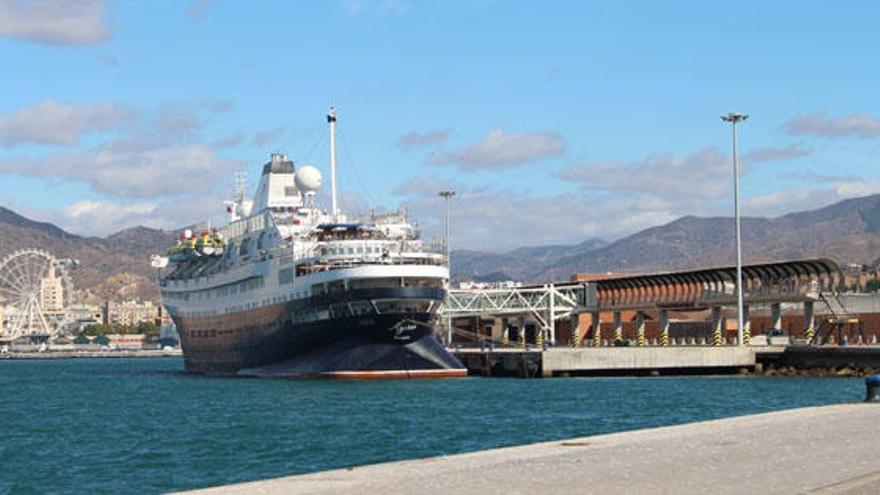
x=286 y=289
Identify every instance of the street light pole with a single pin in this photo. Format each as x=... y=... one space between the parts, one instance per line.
x=446 y=195
x=733 y=119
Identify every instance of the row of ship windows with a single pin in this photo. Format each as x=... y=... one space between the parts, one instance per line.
x=340 y=310
x=352 y=250
x=243 y=307
x=222 y=291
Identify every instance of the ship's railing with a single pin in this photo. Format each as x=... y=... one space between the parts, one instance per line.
x=322 y=264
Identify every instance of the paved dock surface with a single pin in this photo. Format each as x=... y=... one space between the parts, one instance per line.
x=831 y=449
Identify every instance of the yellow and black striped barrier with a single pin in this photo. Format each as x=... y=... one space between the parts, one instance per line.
x=664 y=338
x=716 y=338
x=597 y=338
x=641 y=339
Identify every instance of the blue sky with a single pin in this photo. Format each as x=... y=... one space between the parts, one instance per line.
x=555 y=121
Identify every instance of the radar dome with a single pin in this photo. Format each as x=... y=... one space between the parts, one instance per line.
x=308 y=179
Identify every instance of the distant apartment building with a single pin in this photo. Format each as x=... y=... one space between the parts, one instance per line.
x=129 y=312
x=84 y=314
x=52 y=294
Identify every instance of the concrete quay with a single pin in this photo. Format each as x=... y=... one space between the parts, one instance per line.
x=591 y=361
x=825 y=450
x=91 y=354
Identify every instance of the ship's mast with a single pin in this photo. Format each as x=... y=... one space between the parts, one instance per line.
x=331 y=119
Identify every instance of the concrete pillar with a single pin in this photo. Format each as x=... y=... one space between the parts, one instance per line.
x=717 y=325
x=597 y=329
x=809 y=321
x=640 y=326
x=747 y=326
x=776 y=316
x=618 y=326
x=664 y=327
x=552 y=313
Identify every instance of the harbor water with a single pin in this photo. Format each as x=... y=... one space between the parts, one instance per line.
x=142 y=426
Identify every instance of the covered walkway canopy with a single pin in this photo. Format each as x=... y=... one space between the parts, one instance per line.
x=763 y=283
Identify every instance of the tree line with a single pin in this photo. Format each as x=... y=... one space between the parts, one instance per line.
x=145 y=327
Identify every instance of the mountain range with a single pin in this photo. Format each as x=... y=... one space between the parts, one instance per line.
x=847 y=231
x=117 y=267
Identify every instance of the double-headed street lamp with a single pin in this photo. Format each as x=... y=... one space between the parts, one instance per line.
x=446 y=195
x=733 y=119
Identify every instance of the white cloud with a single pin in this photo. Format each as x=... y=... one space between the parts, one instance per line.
x=103 y=218
x=59 y=22
x=229 y=141
x=267 y=136
x=790 y=152
x=197 y=10
x=500 y=150
x=130 y=170
x=182 y=118
x=91 y=217
x=500 y=220
x=617 y=199
x=415 y=140
x=51 y=122
x=819 y=124
x=803 y=198
x=662 y=174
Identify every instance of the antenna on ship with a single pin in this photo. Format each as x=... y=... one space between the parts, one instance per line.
x=331 y=119
x=240 y=189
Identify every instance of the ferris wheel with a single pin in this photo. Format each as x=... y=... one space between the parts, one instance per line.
x=34 y=290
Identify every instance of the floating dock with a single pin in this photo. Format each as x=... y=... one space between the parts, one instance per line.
x=827 y=450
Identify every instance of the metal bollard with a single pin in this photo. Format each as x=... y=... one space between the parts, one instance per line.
x=457 y=347
x=872 y=384
x=492 y=346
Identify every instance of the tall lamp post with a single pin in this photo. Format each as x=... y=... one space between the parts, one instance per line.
x=446 y=195
x=733 y=119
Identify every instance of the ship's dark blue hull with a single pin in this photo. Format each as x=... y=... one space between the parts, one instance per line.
x=321 y=336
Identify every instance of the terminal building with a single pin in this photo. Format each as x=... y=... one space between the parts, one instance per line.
x=807 y=301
